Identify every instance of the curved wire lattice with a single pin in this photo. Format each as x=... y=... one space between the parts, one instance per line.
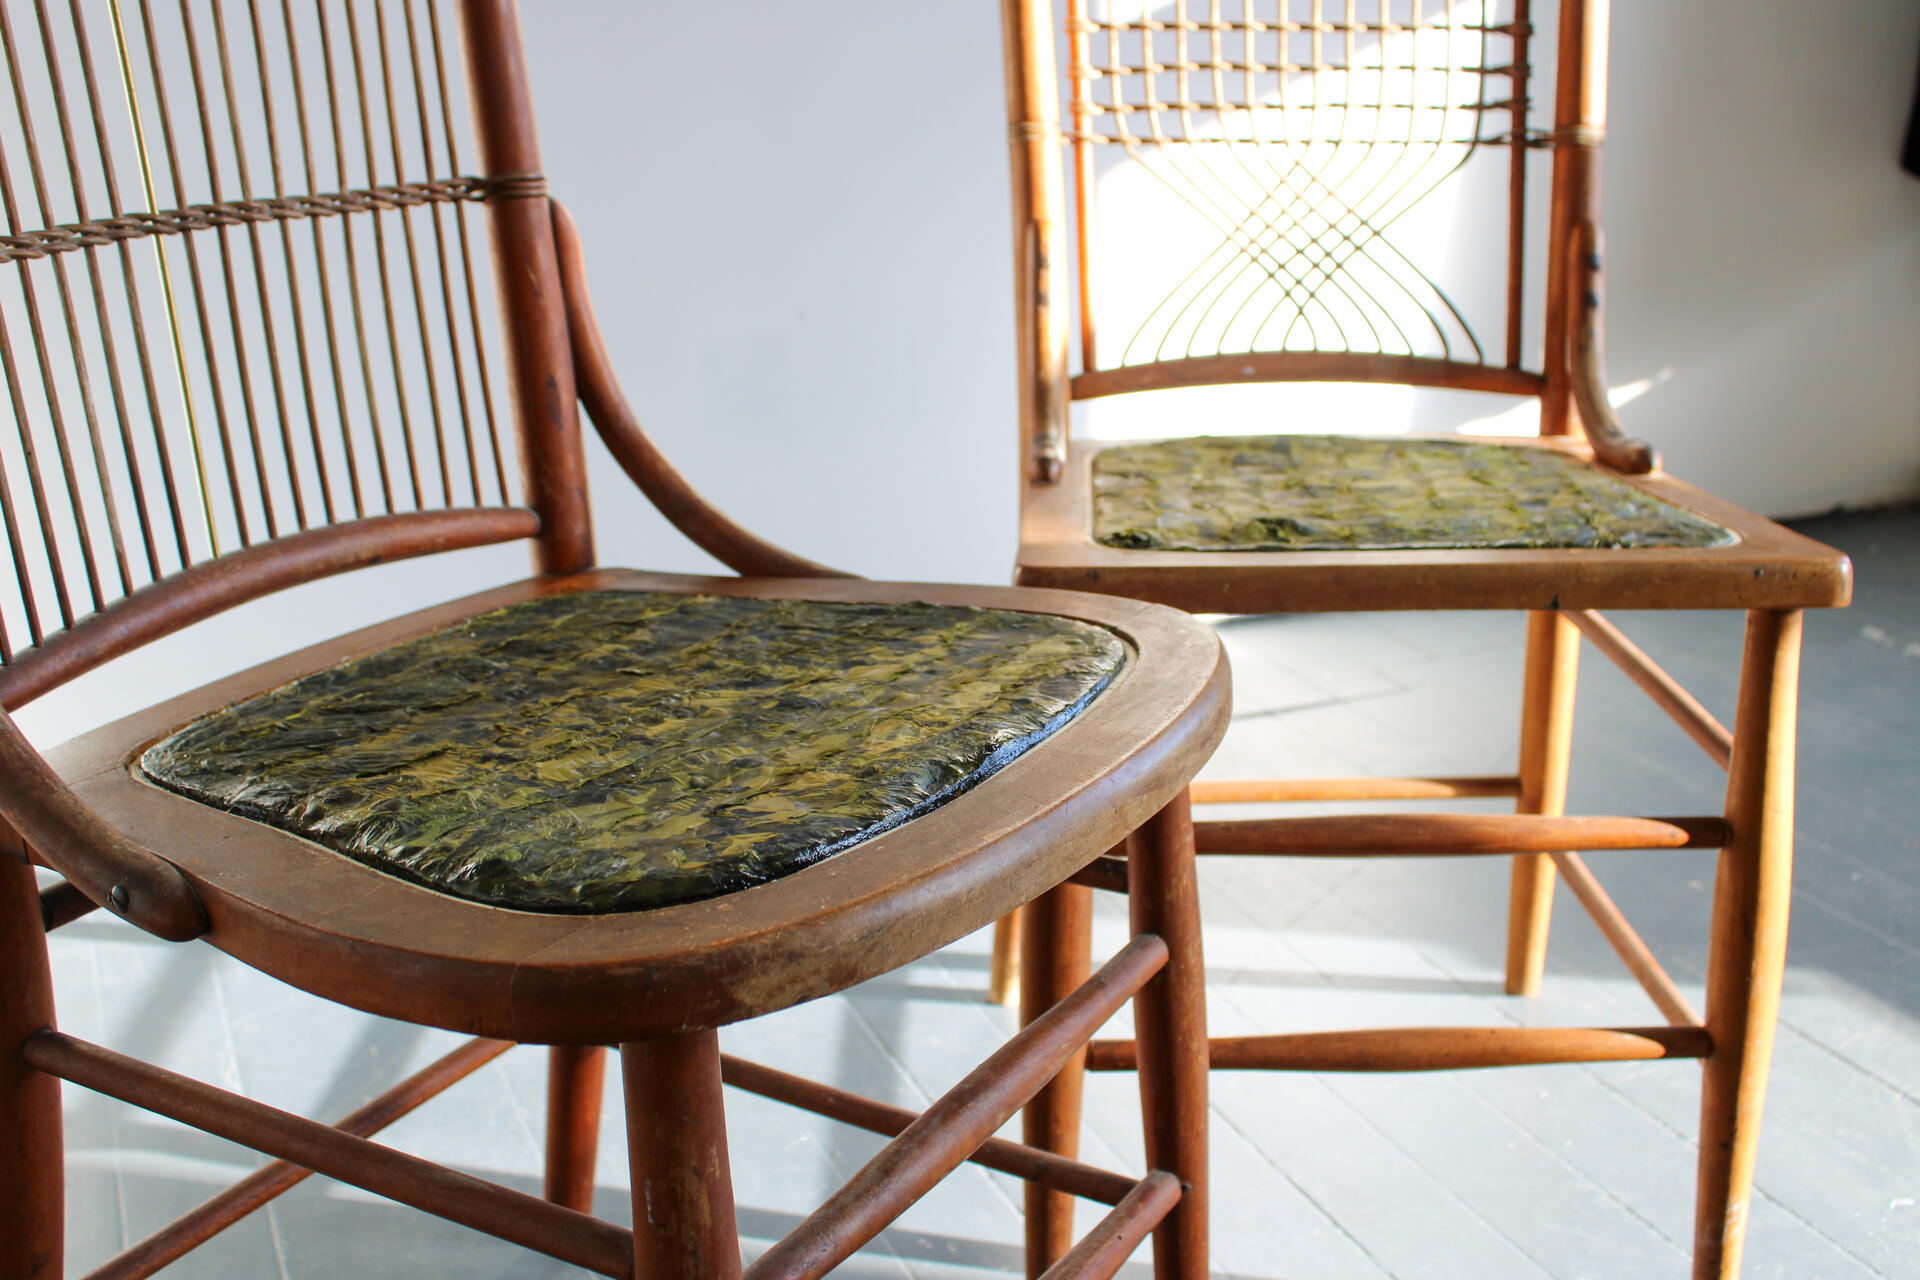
x=1300 y=132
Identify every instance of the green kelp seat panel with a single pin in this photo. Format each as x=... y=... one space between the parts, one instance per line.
x=609 y=751
x=1343 y=493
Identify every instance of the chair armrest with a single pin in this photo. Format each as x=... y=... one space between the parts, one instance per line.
x=1587 y=362
x=131 y=881
x=705 y=525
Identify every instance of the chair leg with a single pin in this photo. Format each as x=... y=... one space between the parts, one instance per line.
x=683 y=1223
x=32 y=1201
x=1748 y=951
x=1546 y=744
x=1056 y=940
x=1003 y=977
x=575 y=1075
x=1170 y=1027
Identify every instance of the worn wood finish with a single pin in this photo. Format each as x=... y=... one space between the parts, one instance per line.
x=1170 y=1029
x=212 y=1216
x=1429 y=1048
x=1295 y=790
x=576 y=1074
x=1546 y=749
x=1625 y=940
x=947 y=1132
x=1304 y=366
x=1003 y=963
x=217 y=585
x=1748 y=956
x=32 y=1171
x=1108 y=1246
x=683 y=1223
x=1765 y=570
x=1416 y=835
x=619 y=429
x=403 y=951
x=1768 y=567
x=1032 y=1164
x=1685 y=709
x=458 y=1197
x=1056 y=935
x=534 y=327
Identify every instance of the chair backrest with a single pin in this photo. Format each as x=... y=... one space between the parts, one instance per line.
x=248 y=321
x=1295 y=137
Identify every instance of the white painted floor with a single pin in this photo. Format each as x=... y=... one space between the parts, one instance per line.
x=1561 y=1172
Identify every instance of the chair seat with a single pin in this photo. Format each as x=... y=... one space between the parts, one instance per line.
x=1330 y=493
x=609 y=751
x=1331 y=523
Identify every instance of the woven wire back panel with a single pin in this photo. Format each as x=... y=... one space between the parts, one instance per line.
x=244 y=287
x=1297 y=136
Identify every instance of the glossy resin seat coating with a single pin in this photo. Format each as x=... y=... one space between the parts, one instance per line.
x=610 y=751
x=1331 y=493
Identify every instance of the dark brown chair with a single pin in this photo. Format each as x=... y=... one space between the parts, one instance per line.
x=1296 y=137
x=249 y=342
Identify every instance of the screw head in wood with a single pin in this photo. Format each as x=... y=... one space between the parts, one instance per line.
x=119 y=897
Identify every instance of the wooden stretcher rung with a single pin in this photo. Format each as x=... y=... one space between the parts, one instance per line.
x=1299 y=790
x=201 y=1224
x=1030 y=1163
x=1105 y=1249
x=62 y=904
x=943 y=1136
x=446 y=1193
x=1683 y=707
x=1429 y=1048
x=1390 y=835
x=1626 y=942
x=1105 y=872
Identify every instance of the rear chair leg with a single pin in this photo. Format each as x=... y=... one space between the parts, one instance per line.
x=1003 y=977
x=32 y=1203
x=1745 y=965
x=1170 y=1027
x=575 y=1075
x=1546 y=745
x=683 y=1224
x=1056 y=941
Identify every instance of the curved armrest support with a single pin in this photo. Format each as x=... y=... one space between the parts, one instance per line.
x=111 y=870
x=1587 y=358
x=703 y=524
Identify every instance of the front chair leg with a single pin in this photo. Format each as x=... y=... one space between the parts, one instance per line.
x=1170 y=1028
x=683 y=1223
x=575 y=1076
x=1546 y=745
x=1056 y=941
x=1748 y=951
x=32 y=1206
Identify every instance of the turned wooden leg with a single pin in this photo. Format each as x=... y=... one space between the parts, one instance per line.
x=683 y=1227
x=1170 y=1027
x=32 y=1203
x=1056 y=941
x=1749 y=948
x=1003 y=977
x=1546 y=744
x=575 y=1075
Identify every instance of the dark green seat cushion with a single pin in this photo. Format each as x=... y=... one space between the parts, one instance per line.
x=1340 y=493
x=607 y=751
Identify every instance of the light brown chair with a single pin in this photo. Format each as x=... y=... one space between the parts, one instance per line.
x=1297 y=136
x=250 y=340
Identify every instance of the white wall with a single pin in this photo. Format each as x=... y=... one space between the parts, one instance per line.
x=797 y=225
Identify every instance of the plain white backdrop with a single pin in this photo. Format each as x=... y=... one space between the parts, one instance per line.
x=797 y=226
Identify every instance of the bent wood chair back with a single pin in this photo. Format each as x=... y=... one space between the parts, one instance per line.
x=247 y=318
x=1295 y=145
x=251 y=335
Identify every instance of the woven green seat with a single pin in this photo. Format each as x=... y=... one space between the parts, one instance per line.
x=609 y=751
x=1342 y=493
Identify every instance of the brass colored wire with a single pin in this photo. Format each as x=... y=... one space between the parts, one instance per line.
x=166 y=274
